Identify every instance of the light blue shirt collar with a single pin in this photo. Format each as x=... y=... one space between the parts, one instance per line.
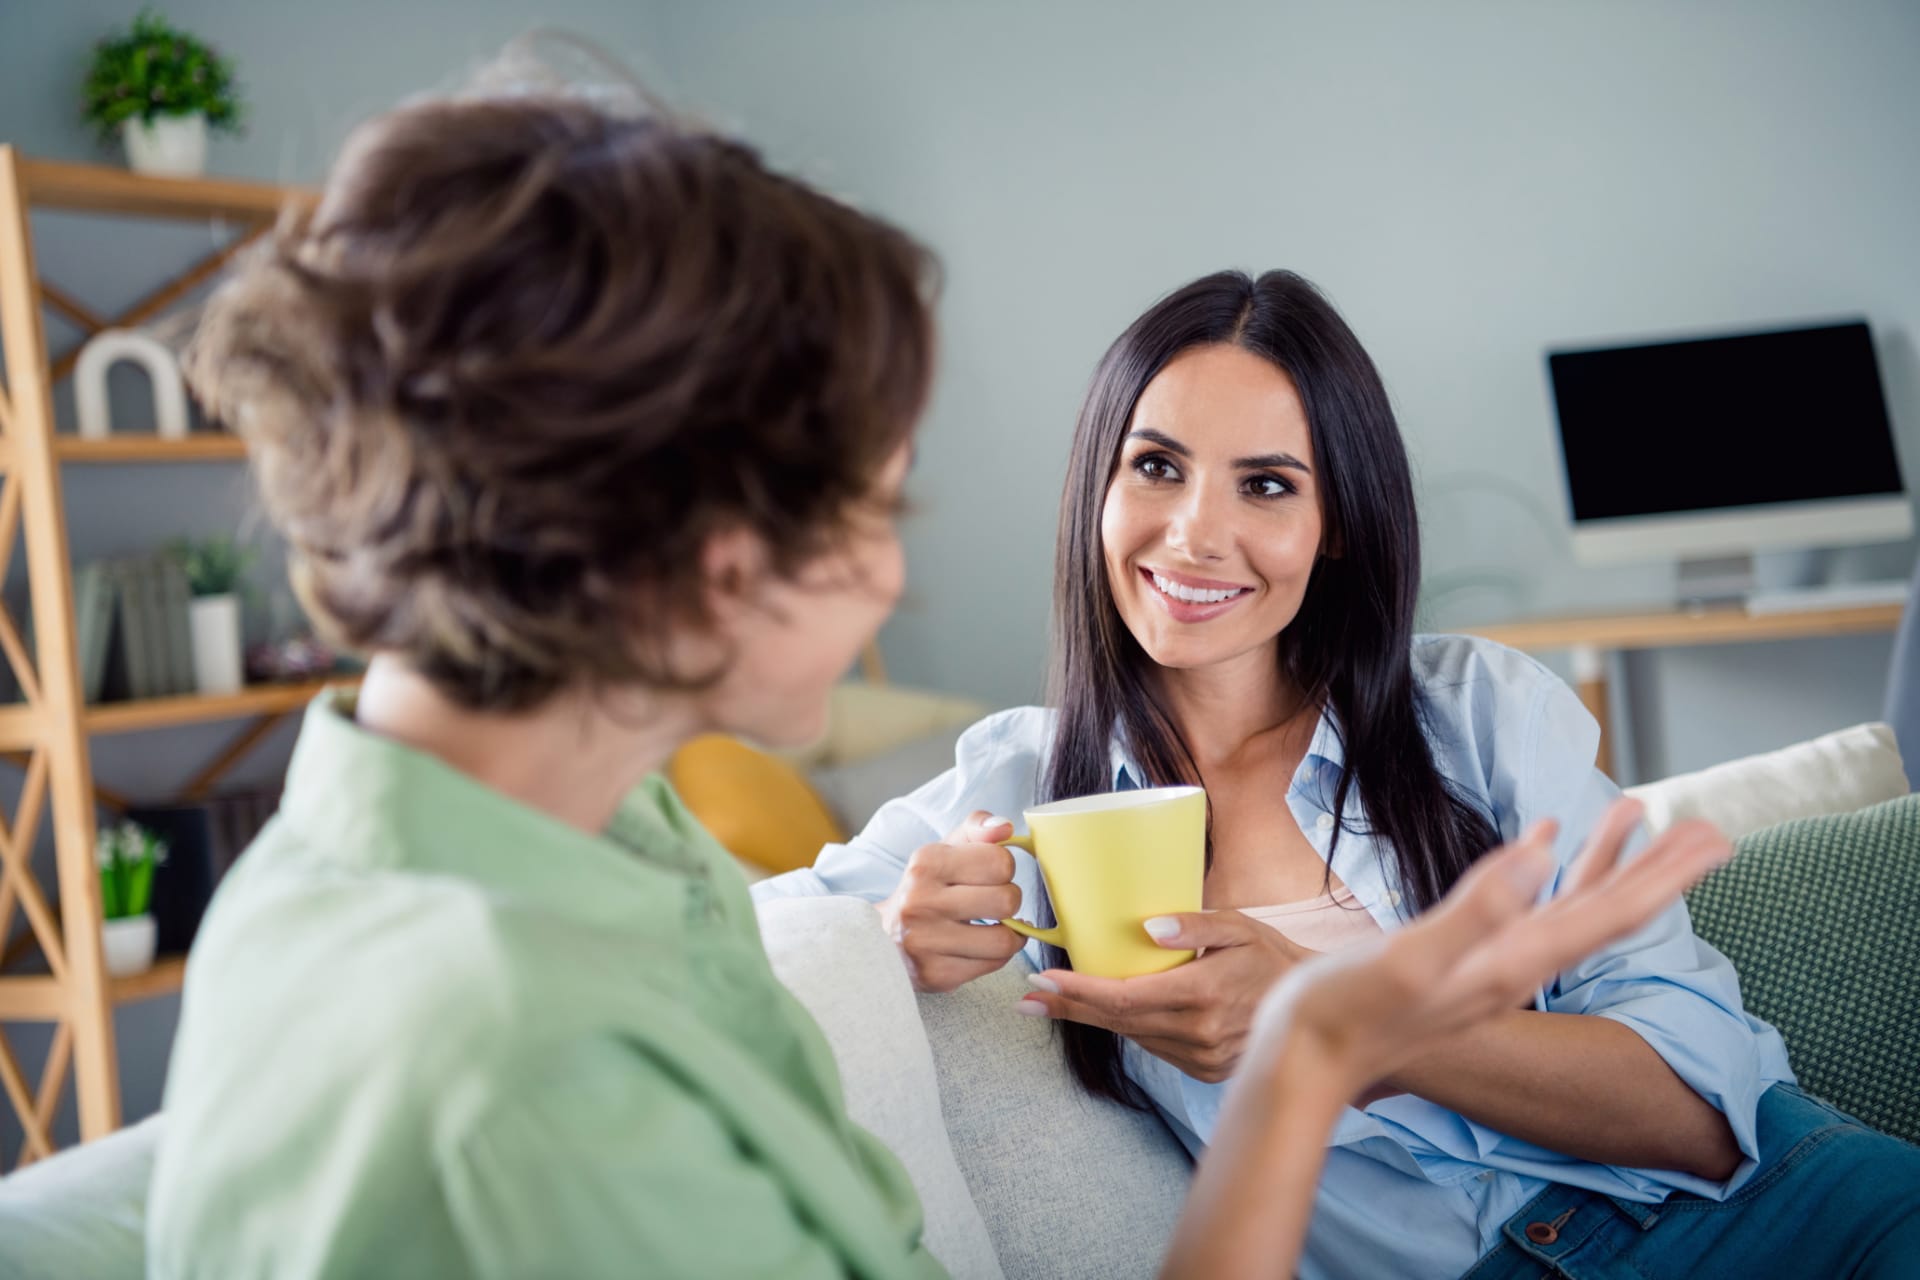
x=1327 y=748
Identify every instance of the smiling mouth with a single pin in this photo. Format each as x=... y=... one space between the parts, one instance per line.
x=1187 y=599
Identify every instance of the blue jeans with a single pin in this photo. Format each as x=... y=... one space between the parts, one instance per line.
x=1832 y=1199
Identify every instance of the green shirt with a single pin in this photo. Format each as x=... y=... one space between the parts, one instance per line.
x=430 y=1031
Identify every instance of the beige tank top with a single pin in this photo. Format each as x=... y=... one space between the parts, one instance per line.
x=1330 y=922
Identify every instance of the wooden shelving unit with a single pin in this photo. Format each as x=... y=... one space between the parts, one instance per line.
x=48 y=733
x=205 y=446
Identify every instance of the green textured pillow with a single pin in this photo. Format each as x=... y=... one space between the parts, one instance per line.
x=1821 y=917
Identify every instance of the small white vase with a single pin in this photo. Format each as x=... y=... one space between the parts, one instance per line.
x=129 y=944
x=216 y=643
x=172 y=146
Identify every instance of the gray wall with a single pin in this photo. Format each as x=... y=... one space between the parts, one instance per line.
x=1469 y=181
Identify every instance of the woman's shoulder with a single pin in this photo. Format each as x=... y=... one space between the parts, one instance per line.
x=1474 y=667
x=1007 y=737
x=1499 y=716
x=1484 y=692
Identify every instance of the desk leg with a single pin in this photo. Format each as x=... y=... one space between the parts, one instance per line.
x=1590 y=681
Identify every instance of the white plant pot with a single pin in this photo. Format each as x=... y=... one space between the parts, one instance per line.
x=216 y=644
x=172 y=146
x=129 y=944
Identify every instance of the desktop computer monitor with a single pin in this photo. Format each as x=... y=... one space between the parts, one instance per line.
x=1710 y=449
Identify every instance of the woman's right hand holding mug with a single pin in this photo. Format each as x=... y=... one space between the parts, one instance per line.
x=945 y=888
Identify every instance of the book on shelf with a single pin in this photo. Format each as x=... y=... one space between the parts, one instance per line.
x=176 y=601
x=130 y=631
x=131 y=628
x=93 y=626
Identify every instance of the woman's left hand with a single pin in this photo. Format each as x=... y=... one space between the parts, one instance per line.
x=1197 y=1016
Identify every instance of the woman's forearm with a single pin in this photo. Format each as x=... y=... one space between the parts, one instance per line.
x=1247 y=1212
x=1584 y=1086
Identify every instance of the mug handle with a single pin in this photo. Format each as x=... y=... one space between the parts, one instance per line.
x=1052 y=937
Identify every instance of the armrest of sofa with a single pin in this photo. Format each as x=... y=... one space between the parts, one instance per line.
x=1019 y=1171
x=832 y=954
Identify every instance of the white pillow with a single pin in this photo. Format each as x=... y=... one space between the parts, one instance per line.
x=1837 y=773
x=834 y=957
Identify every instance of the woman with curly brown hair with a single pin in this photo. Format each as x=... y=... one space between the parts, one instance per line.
x=591 y=431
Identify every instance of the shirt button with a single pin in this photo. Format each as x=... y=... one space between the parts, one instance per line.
x=1486 y=1175
x=1393 y=898
x=1325 y=822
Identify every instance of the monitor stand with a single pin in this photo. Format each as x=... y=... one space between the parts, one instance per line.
x=1715 y=580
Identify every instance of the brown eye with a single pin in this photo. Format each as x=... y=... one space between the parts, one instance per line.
x=1155 y=466
x=1267 y=486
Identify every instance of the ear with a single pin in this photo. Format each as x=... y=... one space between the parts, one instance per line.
x=733 y=563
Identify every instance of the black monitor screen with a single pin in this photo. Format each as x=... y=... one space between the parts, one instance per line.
x=1723 y=422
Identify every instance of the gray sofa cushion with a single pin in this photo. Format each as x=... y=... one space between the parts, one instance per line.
x=1818 y=917
x=83 y=1213
x=1069 y=1185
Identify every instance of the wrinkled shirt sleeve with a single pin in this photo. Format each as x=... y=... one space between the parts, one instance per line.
x=995 y=768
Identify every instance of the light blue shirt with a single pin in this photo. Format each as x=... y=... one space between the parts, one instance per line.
x=1411 y=1189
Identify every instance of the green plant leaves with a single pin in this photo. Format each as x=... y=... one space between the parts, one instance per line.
x=127 y=855
x=157 y=69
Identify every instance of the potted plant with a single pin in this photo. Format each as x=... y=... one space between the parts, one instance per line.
x=214 y=570
x=127 y=855
x=159 y=89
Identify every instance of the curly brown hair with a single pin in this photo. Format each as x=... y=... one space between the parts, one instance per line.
x=526 y=355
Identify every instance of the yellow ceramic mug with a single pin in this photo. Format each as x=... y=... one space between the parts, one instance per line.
x=1111 y=863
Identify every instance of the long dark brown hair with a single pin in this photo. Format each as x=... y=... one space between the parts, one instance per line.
x=1347 y=651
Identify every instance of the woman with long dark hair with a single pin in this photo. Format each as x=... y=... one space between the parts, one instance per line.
x=1236 y=577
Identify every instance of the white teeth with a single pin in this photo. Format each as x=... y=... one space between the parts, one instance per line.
x=1194 y=595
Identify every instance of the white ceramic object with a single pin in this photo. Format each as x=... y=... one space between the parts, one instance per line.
x=216 y=643
x=129 y=944
x=170 y=147
x=97 y=359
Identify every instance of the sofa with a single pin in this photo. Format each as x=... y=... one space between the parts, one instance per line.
x=1023 y=1175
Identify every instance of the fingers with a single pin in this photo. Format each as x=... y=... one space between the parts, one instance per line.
x=1628 y=897
x=981 y=827
x=1532 y=949
x=1605 y=845
x=946 y=864
x=1147 y=1005
x=1118 y=1014
x=993 y=942
x=944 y=889
x=978 y=901
x=1495 y=890
x=1193 y=930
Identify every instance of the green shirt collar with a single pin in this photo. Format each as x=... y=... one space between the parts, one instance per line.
x=372 y=802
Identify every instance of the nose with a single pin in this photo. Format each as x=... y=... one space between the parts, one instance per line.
x=1199 y=528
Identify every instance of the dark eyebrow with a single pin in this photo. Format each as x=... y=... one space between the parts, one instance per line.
x=1260 y=462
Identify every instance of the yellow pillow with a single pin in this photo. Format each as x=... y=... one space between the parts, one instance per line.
x=758 y=806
